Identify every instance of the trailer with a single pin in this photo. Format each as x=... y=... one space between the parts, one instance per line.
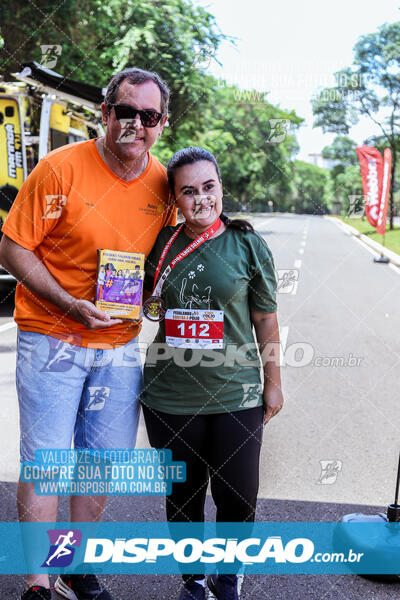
x=39 y=112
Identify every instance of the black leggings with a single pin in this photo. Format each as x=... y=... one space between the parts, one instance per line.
x=224 y=448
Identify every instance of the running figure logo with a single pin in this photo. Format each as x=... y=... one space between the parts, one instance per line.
x=329 y=471
x=62 y=542
x=54 y=206
x=98 y=397
x=50 y=54
x=128 y=131
x=279 y=130
x=251 y=394
x=287 y=280
x=61 y=356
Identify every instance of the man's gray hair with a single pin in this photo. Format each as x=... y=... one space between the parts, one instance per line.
x=136 y=76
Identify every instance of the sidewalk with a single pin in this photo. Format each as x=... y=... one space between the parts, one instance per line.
x=393 y=257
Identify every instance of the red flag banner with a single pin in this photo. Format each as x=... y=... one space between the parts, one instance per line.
x=387 y=167
x=371 y=164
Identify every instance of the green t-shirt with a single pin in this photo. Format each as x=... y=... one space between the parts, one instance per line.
x=234 y=273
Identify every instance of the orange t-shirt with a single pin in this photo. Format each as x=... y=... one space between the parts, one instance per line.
x=69 y=206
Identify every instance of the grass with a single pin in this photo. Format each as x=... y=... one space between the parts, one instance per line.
x=392 y=238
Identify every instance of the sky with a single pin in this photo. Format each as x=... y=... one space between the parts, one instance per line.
x=292 y=48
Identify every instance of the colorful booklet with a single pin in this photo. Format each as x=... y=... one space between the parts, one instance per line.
x=120 y=283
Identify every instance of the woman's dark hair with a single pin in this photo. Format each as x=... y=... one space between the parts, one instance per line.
x=189 y=156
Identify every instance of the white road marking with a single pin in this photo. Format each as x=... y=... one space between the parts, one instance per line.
x=297 y=263
x=7 y=326
x=240 y=583
x=301 y=250
x=370 y=250
x=394 y=268
x=259 y=224
x=376 y=254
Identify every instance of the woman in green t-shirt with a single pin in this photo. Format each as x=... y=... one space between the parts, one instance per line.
x=211 y=280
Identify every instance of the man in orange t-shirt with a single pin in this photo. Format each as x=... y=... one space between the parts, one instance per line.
x=78 y=370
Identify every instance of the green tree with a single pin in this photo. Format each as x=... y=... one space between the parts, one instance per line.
x=342 y=151
x=348 y=183
x=253 y=140
x=99 y=38
x=310 y=194
x=372 y=83
x=256 y=169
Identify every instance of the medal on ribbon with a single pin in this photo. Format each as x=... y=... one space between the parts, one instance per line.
x=154 y=308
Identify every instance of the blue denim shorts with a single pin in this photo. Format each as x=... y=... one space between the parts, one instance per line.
x=68 y=393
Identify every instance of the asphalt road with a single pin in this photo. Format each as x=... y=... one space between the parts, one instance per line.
x=334 y=447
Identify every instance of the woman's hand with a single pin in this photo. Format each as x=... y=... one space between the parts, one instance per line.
x=267 y=332
x=273 y=402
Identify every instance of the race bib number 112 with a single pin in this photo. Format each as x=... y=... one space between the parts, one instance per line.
x=187 y=328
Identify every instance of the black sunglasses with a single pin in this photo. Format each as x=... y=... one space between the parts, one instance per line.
x=149 y=118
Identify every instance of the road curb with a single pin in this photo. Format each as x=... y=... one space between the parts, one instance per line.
x=393 y=257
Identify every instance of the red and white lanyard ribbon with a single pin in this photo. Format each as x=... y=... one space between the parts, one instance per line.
x=203 y=237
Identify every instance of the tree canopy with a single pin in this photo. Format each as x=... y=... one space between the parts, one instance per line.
x=370 y=87
x=253 y=140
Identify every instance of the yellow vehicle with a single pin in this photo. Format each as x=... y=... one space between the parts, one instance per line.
x=39 y=112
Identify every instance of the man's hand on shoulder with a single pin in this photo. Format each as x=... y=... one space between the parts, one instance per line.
x=86 y=313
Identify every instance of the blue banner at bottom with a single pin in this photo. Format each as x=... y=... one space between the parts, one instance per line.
x=156 y=548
